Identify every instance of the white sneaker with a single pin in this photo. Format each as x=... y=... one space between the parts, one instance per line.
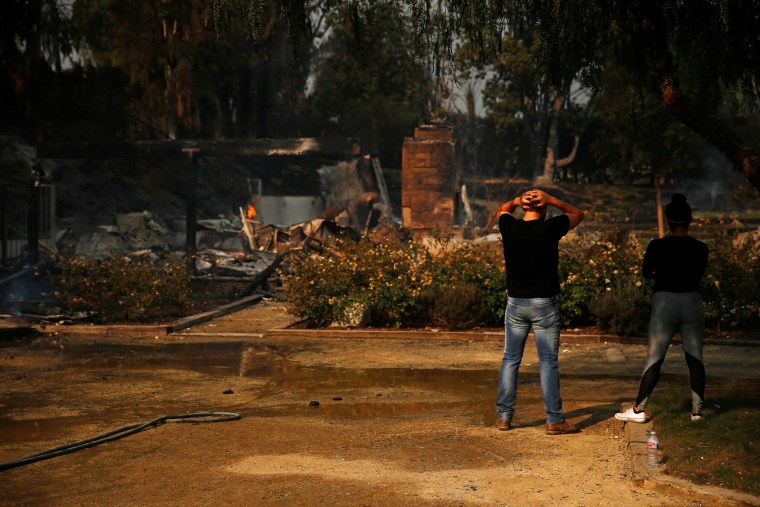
x=696 y=417
x=630 y=415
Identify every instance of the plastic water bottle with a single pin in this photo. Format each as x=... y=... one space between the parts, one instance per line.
x=653 y=450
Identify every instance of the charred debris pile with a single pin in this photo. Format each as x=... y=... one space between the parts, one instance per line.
x=243 y=230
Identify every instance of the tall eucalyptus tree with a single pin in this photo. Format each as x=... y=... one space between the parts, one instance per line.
x=701 y=58
x=34 y=39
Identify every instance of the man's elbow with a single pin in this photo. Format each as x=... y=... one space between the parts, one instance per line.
x=575 y=219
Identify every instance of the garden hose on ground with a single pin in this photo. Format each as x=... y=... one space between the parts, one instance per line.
x=120 y=433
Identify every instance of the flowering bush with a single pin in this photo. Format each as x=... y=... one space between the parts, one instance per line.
x=459 y=285
x=121 y=288
x=383 y=280
x=622 y=309
x=467 y=282
x=731 y=287
x=398 y=285
x=597 y=269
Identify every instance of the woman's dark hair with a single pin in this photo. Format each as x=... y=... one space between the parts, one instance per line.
x=678 y=211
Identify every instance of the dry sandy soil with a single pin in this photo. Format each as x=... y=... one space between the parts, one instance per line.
x=399 y=422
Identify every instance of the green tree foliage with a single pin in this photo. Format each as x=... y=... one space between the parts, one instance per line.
x=174 y=62
x=367 y=82
x=636 y=137
x=698 y=58
x=193 y=71
x=701 y=60
x=295 y=15
x=528 y=113
x=34 y=40
x=479 y=141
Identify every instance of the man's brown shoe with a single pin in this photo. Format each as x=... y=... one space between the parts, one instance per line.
x=503 y=425
x=561 y=428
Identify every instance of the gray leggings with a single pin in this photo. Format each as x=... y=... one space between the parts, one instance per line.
x=672 y=312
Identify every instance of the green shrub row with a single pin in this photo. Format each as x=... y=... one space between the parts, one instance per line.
x=122 y=288
x=731 y=287
x=438 y=284
x=463 y=285
x=400 y=284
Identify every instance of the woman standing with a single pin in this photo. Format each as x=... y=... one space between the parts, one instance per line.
x=676 y=263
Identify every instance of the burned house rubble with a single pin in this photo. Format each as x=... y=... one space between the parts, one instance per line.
x=279 y=197
x=238 y=243
x=346 y=196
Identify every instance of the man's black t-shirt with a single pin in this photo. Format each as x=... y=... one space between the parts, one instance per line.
x=676 y=263
x=531 y=254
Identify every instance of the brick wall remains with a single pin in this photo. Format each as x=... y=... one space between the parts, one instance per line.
x=429 y=179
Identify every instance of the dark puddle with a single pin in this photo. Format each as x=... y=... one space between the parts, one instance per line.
x=272 y=363
x=206 y=358
x=266 y=360
x=343 y=393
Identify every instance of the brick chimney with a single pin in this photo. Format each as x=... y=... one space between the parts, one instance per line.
x=429 y=180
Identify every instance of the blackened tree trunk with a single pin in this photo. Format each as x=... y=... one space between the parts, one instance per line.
x=263 y=93
x=552 y=142
x=658 y=200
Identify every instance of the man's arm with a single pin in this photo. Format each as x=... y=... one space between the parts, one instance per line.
x=509 y=207
x=541 y=198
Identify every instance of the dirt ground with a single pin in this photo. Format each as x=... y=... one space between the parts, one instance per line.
x=398 y=422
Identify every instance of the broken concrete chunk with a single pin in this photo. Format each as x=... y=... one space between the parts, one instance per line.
x=130 y=222
x=356 y=315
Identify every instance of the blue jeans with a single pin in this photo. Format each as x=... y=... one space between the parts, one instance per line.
x=542 y=314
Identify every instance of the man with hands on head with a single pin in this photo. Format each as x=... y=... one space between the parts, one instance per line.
x=531 y=254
